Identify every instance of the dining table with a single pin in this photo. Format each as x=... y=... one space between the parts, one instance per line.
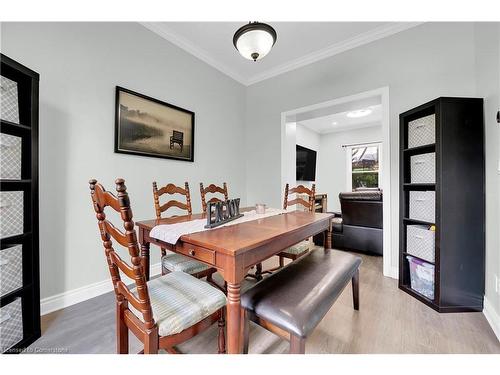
x=234 y=249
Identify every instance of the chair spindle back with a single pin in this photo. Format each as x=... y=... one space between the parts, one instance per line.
x=121 y=204
x=301 y=189
x=171 y=189
x=213 y=189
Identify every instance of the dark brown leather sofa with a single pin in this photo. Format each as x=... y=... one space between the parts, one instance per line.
x=361 y=226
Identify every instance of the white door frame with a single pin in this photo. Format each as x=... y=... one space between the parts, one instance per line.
x=389 y=252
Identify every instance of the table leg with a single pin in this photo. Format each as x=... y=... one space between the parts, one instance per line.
x=144 y=252
x=328 y=237
x=145 y=258
x=233 y=319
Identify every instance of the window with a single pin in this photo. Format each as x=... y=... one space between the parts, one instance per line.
x=363 y=166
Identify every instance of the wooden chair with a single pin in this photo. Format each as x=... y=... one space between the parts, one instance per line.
x=165 y=311
x=177 y=137
x=179 y=262
x=212 y=189
x=296 y=251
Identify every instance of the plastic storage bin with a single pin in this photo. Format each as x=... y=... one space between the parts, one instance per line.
x=423 y=168
x=420 y=241
x=421 y=277
x=422 y=131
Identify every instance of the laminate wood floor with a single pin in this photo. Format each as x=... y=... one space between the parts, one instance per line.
x=389 y=321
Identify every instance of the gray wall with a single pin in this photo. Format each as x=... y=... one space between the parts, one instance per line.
x=80 y=64
x=487 y=37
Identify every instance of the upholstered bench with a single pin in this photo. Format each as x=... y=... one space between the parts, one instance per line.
x=292 y=302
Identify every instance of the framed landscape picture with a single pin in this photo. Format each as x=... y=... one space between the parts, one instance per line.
x=149 y=127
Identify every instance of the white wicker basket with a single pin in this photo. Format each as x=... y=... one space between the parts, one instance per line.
x=420 y=242
x=422 y=131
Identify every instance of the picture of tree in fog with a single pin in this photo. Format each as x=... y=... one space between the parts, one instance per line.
x=147 y=127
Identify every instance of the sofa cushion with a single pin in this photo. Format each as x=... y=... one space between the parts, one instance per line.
x=362 y=195
x=337 y=224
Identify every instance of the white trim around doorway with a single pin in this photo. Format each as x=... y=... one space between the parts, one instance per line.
x=390 y=250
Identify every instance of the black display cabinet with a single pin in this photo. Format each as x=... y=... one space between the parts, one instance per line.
x=442 y=204
x=19 y=254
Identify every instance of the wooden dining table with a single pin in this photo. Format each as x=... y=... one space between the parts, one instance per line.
x=234 y=249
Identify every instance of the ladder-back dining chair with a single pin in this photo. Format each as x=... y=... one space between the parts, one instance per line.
x=213 y=189
x=296 y=251
x=162 y=312
x=178 y=262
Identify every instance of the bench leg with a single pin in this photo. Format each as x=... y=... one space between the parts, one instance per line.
x=297 y=345
x=246 y=332
x=355 y=290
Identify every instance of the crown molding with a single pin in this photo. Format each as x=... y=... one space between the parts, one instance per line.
x=334 y=49
x=196 y=51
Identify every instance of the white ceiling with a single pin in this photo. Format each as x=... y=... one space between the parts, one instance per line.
x=340 y=122
x=298 y=43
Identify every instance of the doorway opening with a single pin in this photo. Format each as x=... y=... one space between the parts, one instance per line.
x=351 y=138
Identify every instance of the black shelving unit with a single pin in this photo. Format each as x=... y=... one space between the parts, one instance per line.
x=27 y=130
x=459 y=186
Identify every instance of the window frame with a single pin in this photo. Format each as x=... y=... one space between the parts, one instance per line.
x=349 y=162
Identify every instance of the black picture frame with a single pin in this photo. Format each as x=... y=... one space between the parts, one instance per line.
x=121 y=149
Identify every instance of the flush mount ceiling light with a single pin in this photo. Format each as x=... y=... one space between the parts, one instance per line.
x=255 y=40
x=359 y=113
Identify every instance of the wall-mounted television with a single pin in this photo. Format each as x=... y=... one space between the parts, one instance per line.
x=305 y=164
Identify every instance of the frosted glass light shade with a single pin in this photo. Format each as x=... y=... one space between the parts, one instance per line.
x=255 y=40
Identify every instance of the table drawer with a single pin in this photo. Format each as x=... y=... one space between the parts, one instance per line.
x=196 y=252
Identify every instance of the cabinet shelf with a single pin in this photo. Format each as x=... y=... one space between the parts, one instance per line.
x=9 y=297
x=418 y=222
x=420 y=149
x=413 y=186
x=13 y=125
x=414 y=256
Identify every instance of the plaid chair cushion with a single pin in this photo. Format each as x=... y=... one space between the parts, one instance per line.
x=179 y=301
x=299 y=248
x=178 y=262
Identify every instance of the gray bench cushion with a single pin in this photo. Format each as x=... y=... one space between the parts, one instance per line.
x=298 y=297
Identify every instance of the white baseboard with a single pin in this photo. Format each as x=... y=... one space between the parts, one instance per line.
x=392 y=272
x=492 y=317
x=71 y=297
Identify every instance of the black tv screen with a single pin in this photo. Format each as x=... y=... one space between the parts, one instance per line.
x=306 y=164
